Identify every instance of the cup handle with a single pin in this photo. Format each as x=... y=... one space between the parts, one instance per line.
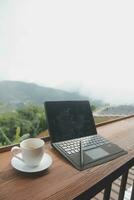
x=15 y=150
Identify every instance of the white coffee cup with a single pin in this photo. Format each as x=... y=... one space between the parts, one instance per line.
x=32 y=151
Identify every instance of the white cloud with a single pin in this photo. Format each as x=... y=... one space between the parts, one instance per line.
x=85 y=43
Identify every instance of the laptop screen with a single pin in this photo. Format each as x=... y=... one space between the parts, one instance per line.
x=69 y=120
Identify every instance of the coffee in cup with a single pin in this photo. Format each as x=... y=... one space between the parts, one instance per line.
x=32 y=151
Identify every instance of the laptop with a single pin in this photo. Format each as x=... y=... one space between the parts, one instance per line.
x=73 y=133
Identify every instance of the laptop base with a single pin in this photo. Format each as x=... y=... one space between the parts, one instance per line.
x=107 y=152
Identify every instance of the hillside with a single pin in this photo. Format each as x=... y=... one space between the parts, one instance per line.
x=117 y=110
x=16 y=93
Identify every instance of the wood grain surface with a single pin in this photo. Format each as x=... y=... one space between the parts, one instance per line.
x=62 y=181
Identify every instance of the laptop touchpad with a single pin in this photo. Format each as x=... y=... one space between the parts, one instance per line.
x=96 y=153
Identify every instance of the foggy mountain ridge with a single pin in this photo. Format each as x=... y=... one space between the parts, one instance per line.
x=16 y=92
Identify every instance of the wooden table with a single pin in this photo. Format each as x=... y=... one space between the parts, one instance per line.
x=62 y=181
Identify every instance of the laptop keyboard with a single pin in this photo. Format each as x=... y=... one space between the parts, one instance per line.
x=73 y=146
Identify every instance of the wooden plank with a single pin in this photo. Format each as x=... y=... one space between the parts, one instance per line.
x=115 y=188
x=62 y=181
x=99 y=196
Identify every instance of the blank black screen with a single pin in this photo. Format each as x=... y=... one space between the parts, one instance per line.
x=69 y=120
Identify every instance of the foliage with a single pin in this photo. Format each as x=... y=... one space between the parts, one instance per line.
x=25 y=122
x=17 y=135
x=93 y=107
x=5 y=140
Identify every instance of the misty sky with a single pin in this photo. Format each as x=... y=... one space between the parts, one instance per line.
x=80 y=45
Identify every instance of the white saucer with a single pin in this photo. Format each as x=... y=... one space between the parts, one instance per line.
x=21 y=166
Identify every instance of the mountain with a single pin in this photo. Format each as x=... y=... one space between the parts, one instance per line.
x=17 y=93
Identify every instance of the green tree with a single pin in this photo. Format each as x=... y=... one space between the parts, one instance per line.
x=5 y=138
x=25 y=122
